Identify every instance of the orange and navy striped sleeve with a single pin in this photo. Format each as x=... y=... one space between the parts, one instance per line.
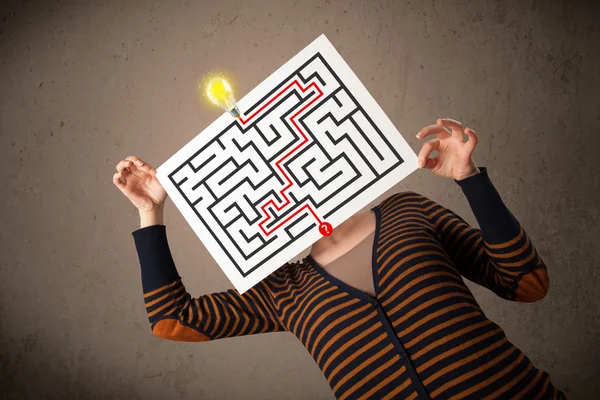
x=500 y=256
x=175 y=315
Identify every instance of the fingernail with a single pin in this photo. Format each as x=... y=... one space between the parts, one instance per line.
x=139 y=163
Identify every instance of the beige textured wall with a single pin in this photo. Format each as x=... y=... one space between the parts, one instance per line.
x=84 y=84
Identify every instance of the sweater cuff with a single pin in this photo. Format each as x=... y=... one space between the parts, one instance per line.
x=497 y=223
x=156 y=262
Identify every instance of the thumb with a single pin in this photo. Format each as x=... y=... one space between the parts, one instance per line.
x=430 y=163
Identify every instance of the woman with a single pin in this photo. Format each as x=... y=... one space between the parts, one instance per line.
x=397 y=324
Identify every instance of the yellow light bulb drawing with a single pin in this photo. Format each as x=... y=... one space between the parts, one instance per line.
x=220 y=93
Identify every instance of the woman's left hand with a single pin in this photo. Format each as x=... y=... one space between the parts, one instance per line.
x=453 y=158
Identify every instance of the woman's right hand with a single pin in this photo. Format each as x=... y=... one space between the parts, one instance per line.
x=139 y=184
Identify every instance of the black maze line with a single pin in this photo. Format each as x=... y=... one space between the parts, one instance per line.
x=217 y=139
x=286 y=81
x=246 y=180
x=267 y=163
x=273 y=193
x=284 y=120
x=289 y=226
x=264 y=138
x=234 y=161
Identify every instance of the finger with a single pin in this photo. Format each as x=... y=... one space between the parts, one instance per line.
x=437 y=130
x=472 y=138
x=123 y=165
x=457 y=127
x=117 y=180
x=136 y=160
x=430 y=163
x=142 y=165
x=426 y=150
x=130 y=167
x=147 y=168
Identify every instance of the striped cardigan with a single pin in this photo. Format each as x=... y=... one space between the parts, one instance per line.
x=424 y=335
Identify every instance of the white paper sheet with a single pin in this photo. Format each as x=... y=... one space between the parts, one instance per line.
x=313 y=146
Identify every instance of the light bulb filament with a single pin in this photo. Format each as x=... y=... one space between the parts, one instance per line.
x=220 y=93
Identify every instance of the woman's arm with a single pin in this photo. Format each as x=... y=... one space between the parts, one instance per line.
x=500 y=255
x=175 y=315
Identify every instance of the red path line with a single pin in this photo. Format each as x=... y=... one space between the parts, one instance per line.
x=277 y=163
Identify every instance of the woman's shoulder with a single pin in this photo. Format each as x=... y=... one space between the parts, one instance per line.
x=400 y=198
x=280 y=278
